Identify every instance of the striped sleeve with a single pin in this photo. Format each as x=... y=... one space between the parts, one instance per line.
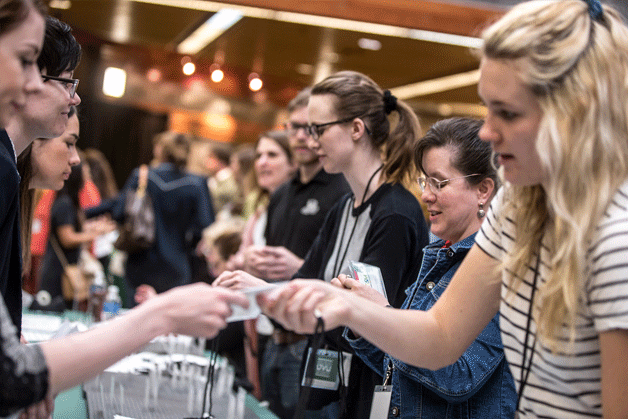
x=607 y=288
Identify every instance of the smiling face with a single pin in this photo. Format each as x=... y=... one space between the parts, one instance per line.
x=512 y=122
x=334 y=146
x=19 y=49
x=453 y=208
x=53 y=159
x=272 y=165
x=46 y=112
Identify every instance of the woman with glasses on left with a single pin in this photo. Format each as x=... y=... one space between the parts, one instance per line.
x=30 y=373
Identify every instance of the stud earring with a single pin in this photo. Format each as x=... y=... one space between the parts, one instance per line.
x=481 y=212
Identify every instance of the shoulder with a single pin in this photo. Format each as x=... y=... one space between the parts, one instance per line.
x=396 y=200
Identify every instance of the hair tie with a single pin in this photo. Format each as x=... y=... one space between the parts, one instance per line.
x=390 y=102
x=595 y=9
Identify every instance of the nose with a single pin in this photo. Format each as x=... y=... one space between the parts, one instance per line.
x=487 y=132
x=76 y=100
x=74 y=157
x=427 y=195
x=312 y=143
x=33 y=82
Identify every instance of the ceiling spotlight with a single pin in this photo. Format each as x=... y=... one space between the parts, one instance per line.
x=370 y=44
x=153 y=75
x=60 y=4
x=189 y=69
x=216 y=74
x=255 y=83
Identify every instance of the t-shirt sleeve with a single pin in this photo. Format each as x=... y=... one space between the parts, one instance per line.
x=607 y=285
x=62 y=213
x=489 y=238
x=23 y=370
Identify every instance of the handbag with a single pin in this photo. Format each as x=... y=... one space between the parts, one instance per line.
x=138 y=230
x=76 y=278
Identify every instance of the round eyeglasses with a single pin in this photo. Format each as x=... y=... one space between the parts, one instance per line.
x=70 y=84
x=436 y=185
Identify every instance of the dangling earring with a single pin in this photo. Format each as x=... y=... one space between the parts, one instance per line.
x=481 y=212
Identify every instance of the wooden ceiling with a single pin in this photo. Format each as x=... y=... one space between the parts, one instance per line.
x=139 y=35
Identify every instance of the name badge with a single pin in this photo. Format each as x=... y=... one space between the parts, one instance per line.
x=381 y=402
x=327 y=369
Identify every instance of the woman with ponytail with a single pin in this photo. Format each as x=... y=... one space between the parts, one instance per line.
x=369 y=136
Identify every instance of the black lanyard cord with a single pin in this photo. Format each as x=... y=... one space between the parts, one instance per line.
x=525 y=371
x=319 y=334
x=338 y=262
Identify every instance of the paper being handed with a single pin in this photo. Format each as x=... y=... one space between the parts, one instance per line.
x=254 y=310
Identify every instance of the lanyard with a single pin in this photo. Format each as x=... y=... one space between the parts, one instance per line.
x=525 y=371
x=338 y=262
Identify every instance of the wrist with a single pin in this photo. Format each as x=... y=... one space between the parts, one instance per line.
x=157 y=316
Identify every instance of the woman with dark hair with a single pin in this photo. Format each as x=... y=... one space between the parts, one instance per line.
x=68 y=233
x=459 y=182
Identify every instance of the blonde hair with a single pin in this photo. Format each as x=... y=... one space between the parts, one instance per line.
x=577 y=67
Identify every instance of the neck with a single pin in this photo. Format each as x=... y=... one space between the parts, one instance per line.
x=359 y=177
x=308 y=171
x=19 y=135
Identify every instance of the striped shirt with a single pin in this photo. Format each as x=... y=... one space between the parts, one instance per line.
x=565 y=384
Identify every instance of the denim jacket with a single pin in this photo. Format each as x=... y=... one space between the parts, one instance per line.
x=478 y=385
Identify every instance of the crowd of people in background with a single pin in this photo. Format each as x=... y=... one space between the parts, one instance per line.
x=517 y=306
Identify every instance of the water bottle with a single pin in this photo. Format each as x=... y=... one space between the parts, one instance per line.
x=97 y=294
x=112 y=304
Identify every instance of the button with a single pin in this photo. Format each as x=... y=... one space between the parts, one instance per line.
x=395 y=411
x=450 y=253
x=430 y=286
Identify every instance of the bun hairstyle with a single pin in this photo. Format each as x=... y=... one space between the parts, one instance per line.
x=175 y=148
x=359 y=96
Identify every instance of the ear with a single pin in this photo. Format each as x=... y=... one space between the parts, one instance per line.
x=486 y=188
x=358 y=129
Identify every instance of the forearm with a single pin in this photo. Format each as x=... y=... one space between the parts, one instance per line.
x=407 y=335
x=76 y=358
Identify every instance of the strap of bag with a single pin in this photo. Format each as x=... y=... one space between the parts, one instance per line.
x=142 y=181
x=58 y=251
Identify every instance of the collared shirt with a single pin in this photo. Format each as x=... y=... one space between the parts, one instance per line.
x=297 y=210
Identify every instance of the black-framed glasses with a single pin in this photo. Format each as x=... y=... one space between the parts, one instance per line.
x=70 y=84
x=436 y=185
x=316 y=130
x=292 y=128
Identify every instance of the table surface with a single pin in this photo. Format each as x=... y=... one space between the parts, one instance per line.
x=71 y=404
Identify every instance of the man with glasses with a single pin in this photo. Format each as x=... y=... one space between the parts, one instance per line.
x=296 y=212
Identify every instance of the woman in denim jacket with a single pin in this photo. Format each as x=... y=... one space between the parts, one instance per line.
x=460 y=182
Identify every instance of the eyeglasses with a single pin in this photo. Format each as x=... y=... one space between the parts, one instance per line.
x=70 y=84
x=316 y=130
x=292 y=128
x=436 y=185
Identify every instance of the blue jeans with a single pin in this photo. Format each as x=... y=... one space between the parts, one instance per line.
x=280 y=375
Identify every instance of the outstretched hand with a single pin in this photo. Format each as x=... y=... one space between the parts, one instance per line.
x=358 y=288
x=295 y=304
x=199 y=309
x=237 y=280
